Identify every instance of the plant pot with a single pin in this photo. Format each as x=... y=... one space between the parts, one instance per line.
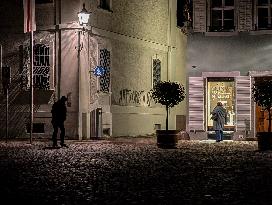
x=167 y=138
x=264 y=140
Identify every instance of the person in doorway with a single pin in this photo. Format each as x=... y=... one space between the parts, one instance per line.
x=59 y=111
x=219 y=115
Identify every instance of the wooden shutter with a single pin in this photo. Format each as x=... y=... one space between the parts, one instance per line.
x=243 y=103
x=196 y=103
x=245 y=15
x=199 y=15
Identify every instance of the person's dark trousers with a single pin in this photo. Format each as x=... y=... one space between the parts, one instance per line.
x=219 y=135
x=62 y=133
x=55 y=133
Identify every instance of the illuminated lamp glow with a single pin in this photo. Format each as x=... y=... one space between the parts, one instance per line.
x=83 y=16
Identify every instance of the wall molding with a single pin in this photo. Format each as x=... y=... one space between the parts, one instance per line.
x=221 y=74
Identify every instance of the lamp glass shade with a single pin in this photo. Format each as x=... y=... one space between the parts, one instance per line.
x=83 y=16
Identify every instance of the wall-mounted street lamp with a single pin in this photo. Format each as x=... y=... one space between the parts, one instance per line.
x=83 y=19
x=83 y=16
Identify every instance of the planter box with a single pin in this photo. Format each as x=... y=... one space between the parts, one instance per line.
x=167 y=138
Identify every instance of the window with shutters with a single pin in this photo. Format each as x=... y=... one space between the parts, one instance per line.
x=222 y=15
x=263 y=14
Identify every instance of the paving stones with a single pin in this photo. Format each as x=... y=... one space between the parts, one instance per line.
x=135 y=172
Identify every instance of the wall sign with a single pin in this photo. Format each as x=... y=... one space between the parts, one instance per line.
x=99 y=71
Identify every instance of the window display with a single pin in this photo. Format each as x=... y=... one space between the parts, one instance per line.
x=221 y=91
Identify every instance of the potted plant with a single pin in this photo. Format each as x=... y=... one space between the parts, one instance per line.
x=168 y=94
x=262 y=95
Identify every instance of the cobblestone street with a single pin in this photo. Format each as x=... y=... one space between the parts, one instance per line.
x=129 y=172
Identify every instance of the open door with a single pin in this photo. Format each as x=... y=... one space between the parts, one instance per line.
x=261 y=115
x=261 y=120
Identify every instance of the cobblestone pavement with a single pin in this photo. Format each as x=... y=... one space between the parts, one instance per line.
x=129 y=172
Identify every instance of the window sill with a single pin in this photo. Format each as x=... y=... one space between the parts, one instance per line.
x=231 y=33
x=260 y=32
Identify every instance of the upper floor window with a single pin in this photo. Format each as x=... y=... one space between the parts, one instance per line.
x=222 y=15
x=264 y=14
x=105 y=4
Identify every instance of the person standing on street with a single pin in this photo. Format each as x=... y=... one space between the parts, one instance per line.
x=59 y=111
x=219 y=115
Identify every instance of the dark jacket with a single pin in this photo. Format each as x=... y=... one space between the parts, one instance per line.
x=219 y=118
x=58 y=111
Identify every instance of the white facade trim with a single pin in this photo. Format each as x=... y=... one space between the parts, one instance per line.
x=221 y=74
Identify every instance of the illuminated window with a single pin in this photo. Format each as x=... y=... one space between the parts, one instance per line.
x=221 y=90
x=264 y=14
x=222 y=15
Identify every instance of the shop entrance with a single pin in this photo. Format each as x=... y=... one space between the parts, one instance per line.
x=261 y=120
x=221 y=90
x=261 y=115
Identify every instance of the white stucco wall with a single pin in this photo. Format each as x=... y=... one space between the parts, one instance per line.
x=243 y=53
x=134 y=32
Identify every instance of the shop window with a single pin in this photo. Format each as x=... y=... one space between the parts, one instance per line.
x=221 y=90
x=222 y=15
x=264 y=14
x=105 y=4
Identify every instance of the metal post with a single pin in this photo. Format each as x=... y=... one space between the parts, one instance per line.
x=31 y=85
x=7 y=116
x=7 y=92
x=79 y=86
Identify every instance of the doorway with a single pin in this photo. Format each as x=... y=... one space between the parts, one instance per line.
x=221 y=89
x=261 y=114
x=261 y=119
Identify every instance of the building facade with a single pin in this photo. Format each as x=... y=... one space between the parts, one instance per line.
x=133 y=44
x=228 y=49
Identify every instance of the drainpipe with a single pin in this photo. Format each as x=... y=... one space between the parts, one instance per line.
x=169 y=33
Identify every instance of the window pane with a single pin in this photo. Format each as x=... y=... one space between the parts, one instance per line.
x=228 y=24
x=216 y=3
x=216 y=21
x=262 y=2
x=229 y=14
x=228 y=19
x=262 y=17
x=229 y=2
x=216 y=17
